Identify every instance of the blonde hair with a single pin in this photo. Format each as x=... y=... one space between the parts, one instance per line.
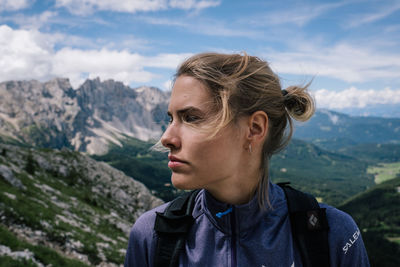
x=241 y=85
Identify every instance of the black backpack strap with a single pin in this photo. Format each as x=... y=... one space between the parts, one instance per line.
x=309 y=226
x=172 y=227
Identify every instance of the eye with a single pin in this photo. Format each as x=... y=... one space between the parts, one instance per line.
x=190 y=118
x=169 y=119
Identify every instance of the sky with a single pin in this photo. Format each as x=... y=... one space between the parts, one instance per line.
x=349 y=49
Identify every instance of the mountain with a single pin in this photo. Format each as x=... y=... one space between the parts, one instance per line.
x=62 y=208
x=332 y=130
x=53 y=114
x=97 y=114
x=377 y=110
x=376 y=212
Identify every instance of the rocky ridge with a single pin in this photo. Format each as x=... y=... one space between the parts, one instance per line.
x=68 y=202
x=88 y=119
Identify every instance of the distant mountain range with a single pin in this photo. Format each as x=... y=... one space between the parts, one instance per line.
x=333 y=130
x=377 y=110
x=89 y=118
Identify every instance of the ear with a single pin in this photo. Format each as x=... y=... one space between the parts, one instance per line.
x=258 y=127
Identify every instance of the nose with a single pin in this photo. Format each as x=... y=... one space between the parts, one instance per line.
x=170 y=137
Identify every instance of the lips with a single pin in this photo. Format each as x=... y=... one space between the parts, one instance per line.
x=173 y=158
x=175 y=162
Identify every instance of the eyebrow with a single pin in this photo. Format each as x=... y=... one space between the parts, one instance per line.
x=185 y=110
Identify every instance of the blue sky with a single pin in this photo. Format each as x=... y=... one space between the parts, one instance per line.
x=351 y=49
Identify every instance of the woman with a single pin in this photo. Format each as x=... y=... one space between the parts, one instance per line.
x=228 y=116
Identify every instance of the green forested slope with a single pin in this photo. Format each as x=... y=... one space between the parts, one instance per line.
x=330 y=176
x=377 y=213
x=373 y=153
x=377 y=209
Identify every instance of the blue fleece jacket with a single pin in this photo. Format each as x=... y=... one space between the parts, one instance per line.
x=245 y=235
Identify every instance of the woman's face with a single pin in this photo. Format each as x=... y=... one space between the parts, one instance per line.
x=195 y=161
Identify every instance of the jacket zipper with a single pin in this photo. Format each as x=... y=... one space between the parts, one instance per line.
x=233 y=238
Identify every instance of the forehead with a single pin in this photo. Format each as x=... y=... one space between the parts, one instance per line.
x=188 y=91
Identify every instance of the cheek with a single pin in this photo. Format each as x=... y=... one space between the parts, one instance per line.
x=203 y=151
x=219 y=153
x=216 y=155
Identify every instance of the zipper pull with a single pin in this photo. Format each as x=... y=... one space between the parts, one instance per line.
x=220 y=214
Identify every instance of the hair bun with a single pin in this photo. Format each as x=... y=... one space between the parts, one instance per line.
x=299 y=103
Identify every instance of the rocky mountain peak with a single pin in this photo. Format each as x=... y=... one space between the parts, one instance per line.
x=150 y=97
x=53 y=114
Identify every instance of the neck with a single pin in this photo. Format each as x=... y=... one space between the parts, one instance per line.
x=241 y=185
x=233 y=198
x=237 y=192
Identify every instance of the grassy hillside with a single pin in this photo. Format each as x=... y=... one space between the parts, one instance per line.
x=41 y=253
x=61 y=204
x=377 y=214
x=384 y=171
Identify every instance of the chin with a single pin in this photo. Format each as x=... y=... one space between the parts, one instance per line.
x=181 y=182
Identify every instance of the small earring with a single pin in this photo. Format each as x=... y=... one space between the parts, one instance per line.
x=250 y=148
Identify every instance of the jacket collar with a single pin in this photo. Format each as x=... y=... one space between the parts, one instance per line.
x=246 y=216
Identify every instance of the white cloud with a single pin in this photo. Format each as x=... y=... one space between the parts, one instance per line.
x=24 y=54
x=218 y=28
x=163 y=21
x=299 y=15
x=122 y=66
x=355 y=98
x=44 y=20
x=193 y=4
x=107 y=64
x=344 y=61
x=130 y=42
x=392 y=28
x=382 y=13
x=83 y=7
x=208 y=27
x=168 y=61
x=167 y=85
x=30 y=54
x=30 y=22
x=12 y=5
